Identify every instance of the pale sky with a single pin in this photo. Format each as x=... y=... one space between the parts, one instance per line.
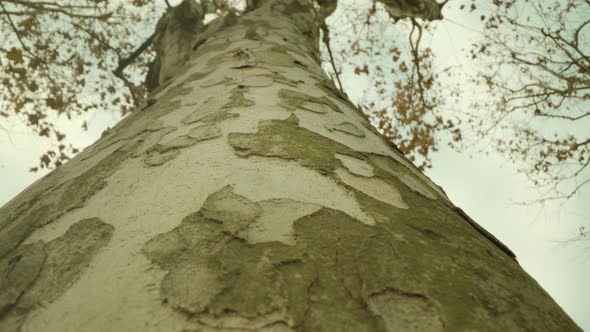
x=486 y=187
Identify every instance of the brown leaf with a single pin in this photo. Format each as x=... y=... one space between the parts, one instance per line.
x=16 y=55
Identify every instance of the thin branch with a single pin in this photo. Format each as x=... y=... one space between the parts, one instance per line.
x=415 y=54
x=559 y=197
x=124 y=62
x=95 y=37
x=16 y=32
x=326 y=40
x=565 y=117
x=577 y=33
x=43 y=6
x=582 y=167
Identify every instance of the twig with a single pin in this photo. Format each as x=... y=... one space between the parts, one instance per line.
x=124 y=62
x=16 y=32
x=415 y=50
x=326 y=40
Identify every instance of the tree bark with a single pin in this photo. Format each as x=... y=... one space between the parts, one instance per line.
x=247 y=193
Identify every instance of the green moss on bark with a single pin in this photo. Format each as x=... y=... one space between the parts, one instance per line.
x=292 y=100
x=337 y=275
x=65 y=197
x=37 y=274
x=285 y=139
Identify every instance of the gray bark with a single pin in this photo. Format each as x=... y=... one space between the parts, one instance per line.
x=247 y=193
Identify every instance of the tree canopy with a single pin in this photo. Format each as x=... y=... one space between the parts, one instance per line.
x=64 y=58
x=535 y=66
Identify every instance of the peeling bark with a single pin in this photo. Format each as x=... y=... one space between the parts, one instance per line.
x=248 y=193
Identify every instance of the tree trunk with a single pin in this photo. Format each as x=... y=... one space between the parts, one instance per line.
x=249 y=194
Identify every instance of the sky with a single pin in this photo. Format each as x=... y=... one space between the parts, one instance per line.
x=487 y=187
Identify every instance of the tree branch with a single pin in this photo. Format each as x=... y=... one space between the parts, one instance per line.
x=17 y=33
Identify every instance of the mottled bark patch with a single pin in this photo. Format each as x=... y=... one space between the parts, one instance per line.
x=263 y=77
x=276 y=221
x=237 y=99
x=236 y=58
x=72 y=194
x=198 y=76
x=212 y=270
x=347 y=128
x=218 y=116
x=234 y=212
x=374 y=187
x=292 y=100
x=161 y=153
x=419 y=260
x=215 y=81
x=286 y=139
x=243 y=58
x=149 y=140
x=17 y=273
x=178 y=142
x=417 y=185
x=222 y=277
x=209 y=112
x=81 y=188
x=413 y=181
x=213 y=46
x=212 y=111
x=256 y=30
x=204 y=132
x=157 y=158
x=275 y=56
x=282 y=79
x=257 y=81
x=356 y=165
x=39 y=273
x=144 y=121
x=20 y=227
x=406 y=312
x=237 y=264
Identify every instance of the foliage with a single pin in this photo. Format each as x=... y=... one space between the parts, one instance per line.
x=66 y=58
x=535 y=64
x=403 y=98
x=60 y=59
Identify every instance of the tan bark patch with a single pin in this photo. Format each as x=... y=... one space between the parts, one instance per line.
x=356 y=165
x=374 y=187
x=415 y=181
x=347 y=128
x=276 y=221
x=204 y=132
x=156 y=158
x=406 y=312
x=37 y=274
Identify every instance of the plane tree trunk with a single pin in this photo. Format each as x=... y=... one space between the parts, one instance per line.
x=248 y=193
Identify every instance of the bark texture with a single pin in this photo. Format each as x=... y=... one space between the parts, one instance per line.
x=249 y=194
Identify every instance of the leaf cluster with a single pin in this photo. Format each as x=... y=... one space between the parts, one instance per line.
x=534 y=60
x=57 y=60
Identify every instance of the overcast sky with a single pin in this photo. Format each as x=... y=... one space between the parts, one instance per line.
x=486 y=187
